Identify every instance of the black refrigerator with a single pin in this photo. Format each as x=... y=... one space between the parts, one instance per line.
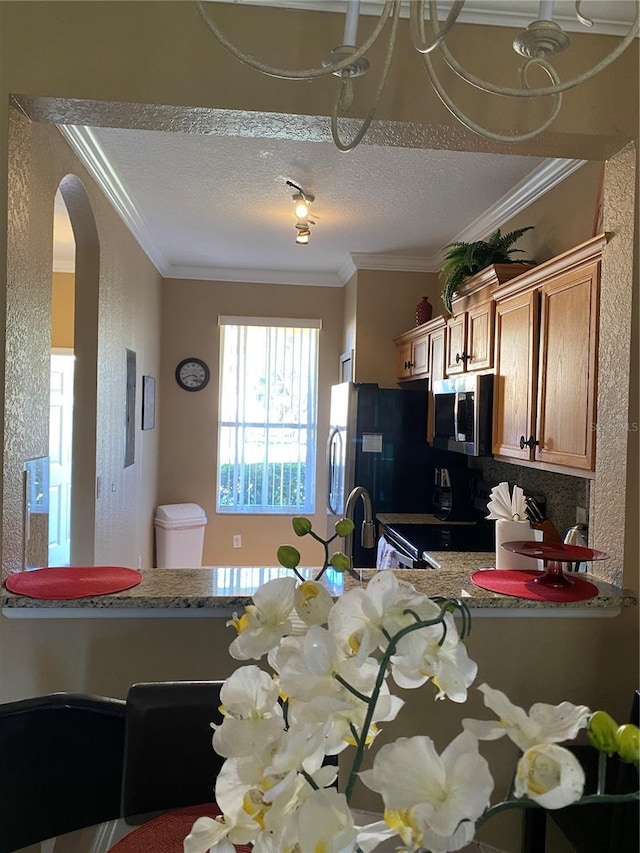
x=377 y=439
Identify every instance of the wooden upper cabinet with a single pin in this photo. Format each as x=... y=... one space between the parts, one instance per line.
x=514 y=383
x=414 y=348
x=546 y=362
x=437 y=340
x=566 y=428
x=456 y=343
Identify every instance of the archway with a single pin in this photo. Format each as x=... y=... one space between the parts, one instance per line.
x=85 y=382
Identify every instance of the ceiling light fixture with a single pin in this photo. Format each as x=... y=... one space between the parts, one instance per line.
x=541 y=40
x=302 y=200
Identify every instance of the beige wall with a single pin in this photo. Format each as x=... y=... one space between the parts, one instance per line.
x=188 y=423
x=62 y=309
x=123 y=312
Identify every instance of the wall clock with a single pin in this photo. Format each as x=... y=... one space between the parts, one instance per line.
x=192 y=374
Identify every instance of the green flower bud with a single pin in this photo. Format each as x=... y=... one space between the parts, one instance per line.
x=288 y=556
x=628 y=738
x=339 y=561
x=602 y=731
x=301 y=525
x=344 y=527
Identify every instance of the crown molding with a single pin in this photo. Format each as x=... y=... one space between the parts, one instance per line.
x=399 y=263
x=253 y=276
x=484 y=12
x=538 y=182
x=85 y=144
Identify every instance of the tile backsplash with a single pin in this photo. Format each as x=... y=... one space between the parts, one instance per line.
x=563 y=493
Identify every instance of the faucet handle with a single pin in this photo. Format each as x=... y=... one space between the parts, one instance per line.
x=368 y=534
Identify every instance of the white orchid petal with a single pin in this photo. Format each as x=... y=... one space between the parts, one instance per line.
x=207 y=834
x=313 y=602
x=550 y=775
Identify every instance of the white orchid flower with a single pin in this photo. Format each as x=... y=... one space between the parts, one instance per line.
x=208 y=834
x=239 y=793
x=432 y=801
x=543 y=724
x=425 y=654
x=362 y=619
x=266 y=621
x=550 y=775
x=313 y=602
x=301 y=747
x=252 y=716
x=325 y=823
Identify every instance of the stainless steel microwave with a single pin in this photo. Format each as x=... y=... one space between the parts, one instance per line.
x=462 y=416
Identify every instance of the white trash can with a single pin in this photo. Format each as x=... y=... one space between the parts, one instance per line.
x=179 y=535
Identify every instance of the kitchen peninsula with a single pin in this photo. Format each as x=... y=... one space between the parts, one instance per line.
x=219 y=591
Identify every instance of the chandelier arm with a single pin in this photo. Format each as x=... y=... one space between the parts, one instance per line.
x=556 y=89
x=351 y=144
x=305 y=74
x=479 y=129
x=416 y=22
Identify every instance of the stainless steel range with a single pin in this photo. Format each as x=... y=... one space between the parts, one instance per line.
x=414 y=544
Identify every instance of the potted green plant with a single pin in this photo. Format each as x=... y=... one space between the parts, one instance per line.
x=462 y=260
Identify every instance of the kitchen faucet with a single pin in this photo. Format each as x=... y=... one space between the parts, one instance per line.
x=368 y=532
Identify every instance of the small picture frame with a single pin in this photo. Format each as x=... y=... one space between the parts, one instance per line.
x=148 y=402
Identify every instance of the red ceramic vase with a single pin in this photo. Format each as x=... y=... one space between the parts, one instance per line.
x=424 y=311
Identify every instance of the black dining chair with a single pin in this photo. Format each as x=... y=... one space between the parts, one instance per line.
x=169 y=761
x=61 y=758
x=598 y=827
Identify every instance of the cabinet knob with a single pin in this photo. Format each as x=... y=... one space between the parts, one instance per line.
x=461 y=356
x=408 y=365
x=530 y=442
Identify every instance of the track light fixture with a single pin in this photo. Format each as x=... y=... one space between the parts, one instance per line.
x=538 y=44
x=302 y=200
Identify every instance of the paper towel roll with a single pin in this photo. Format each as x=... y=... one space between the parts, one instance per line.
x=515 y=531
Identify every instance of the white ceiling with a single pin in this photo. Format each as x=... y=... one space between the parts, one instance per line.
x=218 y=207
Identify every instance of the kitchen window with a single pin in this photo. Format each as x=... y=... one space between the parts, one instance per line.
x=267 y=424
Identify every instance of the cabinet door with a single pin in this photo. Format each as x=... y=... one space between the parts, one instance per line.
x=515 y=380
x=566 y=428
x=420 y=356
x=436 y=372
x=480 y=326
x=403 y=363
x=437 y=355
x=456 y=342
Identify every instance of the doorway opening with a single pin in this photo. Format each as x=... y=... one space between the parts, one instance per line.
x=61 y=393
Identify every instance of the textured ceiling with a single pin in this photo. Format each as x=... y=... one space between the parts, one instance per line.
x=222 y=202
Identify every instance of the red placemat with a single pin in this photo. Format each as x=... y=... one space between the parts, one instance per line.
x=64 y=582
x=521 y=584
x=166 y=834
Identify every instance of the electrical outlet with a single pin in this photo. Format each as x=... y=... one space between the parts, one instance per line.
x=237 y=541
x=139 y=561
x=581 y=515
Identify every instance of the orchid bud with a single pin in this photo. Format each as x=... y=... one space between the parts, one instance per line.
x=602 y=731
x=344 y=527
x=301 y=525
x=339 y=561
x=628 y=739
x=288 y=556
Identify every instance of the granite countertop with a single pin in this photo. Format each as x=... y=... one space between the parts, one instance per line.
x=221 y=590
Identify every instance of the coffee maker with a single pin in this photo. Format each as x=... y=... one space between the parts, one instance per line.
x=453 y=494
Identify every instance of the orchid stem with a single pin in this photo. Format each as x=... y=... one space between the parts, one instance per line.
x=602 y=772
